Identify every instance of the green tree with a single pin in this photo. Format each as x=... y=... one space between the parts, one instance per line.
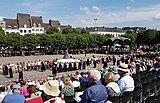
x=30 y=41
x=132 y=36
x=14 y=41
x=2 y=31
x=83 y=31
x=150 y=35
x=69 y=31
x=52 y=30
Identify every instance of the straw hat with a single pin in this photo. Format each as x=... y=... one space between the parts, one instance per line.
x=123 y=67
x=51 y=88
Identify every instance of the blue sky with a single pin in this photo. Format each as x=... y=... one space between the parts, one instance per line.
x=81 y=13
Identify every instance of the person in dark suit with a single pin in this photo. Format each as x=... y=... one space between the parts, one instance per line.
x=95 y=63
x=105 y=64
x=10 y=72
x=20 y=75
x=84 y=65
x=54 y=70
x=42 y=67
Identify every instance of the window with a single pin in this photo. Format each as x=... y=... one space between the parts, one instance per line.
x=15 y=27
x=25 y=26
x=25 y=31
x=9 y=26
x=21 y=31
x=33 y=30
x=1 y=23
x=39 y=25
x=34 y=24
x=29 y=31
x=41 y=29
x=37 y=29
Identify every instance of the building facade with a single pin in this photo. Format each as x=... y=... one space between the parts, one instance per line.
x=105 y=30
x=26 y=24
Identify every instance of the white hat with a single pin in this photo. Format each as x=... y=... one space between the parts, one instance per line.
x=51 y=88
x=123 y=67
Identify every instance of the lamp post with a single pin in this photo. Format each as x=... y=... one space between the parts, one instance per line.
x=95 y=21
x=95 y=26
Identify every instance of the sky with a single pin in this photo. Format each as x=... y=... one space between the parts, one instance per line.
x=82 y=13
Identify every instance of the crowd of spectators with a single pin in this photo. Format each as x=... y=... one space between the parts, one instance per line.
x=98 y=85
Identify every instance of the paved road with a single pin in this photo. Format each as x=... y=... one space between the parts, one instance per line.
x=41 y=57
x=34 y=75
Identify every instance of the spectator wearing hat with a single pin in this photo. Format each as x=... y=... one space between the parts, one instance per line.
x=16 y=97
x=126 y=82
x=68 y=91
x=33 y=98
x=51 y=90
x=97 y=92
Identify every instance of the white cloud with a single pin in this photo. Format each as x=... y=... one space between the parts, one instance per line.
x=132 y=0
x=96 y=8
x=128 y=7
x=142 y=16
x=157 y=16
x=84 y=8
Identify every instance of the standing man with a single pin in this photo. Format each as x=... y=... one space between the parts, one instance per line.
x=97 y=92
x=21 y=75
x=16 y=97
x=95 y=63
x=10 y=72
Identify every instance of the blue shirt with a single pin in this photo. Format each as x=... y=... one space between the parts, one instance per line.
x=14 y=98
x=96 y=93
x=84 y=79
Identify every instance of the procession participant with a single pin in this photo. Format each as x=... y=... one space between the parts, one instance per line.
x=21 y=75
x=95 y=63
x=10 y=72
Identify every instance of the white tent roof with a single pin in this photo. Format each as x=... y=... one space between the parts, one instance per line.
x=67 y=60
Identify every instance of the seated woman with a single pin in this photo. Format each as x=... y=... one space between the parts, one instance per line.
x=75 y=83
x=33 y=98
x=112 y=86
x=51 y=92
x=68 y=91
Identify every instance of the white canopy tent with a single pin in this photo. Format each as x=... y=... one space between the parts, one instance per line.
x=67 y=60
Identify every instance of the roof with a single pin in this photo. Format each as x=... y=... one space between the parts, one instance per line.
x=54 y=23
x=46 y=26
x=11 y=23
x=65 y=26
x=24 y=19
x=36 y=20
x=118 y=38
x=105 y=29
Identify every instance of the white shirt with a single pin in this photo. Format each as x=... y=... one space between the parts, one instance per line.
x=126 y=83
x=2 y=95
x=114 y=86
x=76 y=84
